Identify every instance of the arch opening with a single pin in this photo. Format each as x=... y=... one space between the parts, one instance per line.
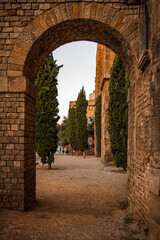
x=77 y=30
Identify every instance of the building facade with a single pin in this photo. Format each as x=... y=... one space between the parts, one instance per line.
x=90 y=107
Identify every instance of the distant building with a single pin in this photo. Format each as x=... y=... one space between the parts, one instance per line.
x=90 y=107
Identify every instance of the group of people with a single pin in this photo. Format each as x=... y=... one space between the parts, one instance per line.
x=65 y=150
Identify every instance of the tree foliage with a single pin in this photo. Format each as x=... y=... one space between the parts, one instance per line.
x=90 y=127
x=63 y=132
x=98 y=125
x=81 y=120
x=118 y=112
x=72 y=128
x=47 y=110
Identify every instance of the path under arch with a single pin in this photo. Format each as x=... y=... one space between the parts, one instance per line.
x=78 y=199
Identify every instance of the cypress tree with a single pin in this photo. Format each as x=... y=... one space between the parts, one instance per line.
x=81 y=121
x=118 y=112
x=63 y=131
x=98 y=125
x=90 y=127
x=47 y=110
x=72 y=128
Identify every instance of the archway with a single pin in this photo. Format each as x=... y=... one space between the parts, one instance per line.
x=63 y=23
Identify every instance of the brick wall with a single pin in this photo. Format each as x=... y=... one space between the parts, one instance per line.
x=17 y=154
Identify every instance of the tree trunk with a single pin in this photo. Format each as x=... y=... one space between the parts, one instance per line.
x=49 y=166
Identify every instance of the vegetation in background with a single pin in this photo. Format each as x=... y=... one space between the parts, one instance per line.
x=118 y=112
x=90 y=127
x=81 y=121
x=72 y=128
x=47 y=110
x=63 y=132
x=98 y=125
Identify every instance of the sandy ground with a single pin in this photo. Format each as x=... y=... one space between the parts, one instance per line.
x=78 y=199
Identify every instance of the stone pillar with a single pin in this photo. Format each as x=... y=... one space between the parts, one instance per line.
x=104 y=61
x=106 y=155
x=98 y=82
x=17 y=144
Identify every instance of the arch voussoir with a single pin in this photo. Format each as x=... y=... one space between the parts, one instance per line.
x=69 y=8
x=58 y=14
x=75 y=10
x=99 y=12
x=107 y=15
x=64 y=12
x=27 y=36
x=35 y=28
x=118 y=20
x=81 y=9
x=45 y=21
x=93 y=10
x=52 y=16
x=87 y=10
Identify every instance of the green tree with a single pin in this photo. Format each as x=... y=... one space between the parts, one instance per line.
x=118 y=112
x=98 y=125
x=90 y=127
x=81 y=121
x=47 y=110
x=72 y=128
x=63 y=132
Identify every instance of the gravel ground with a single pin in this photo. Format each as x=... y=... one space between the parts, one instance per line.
x=78 y=199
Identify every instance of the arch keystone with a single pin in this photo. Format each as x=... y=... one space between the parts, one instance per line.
x=75 y=10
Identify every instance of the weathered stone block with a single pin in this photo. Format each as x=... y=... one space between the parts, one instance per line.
x=17 y=163
x=3 y=84
x=155 y=208
x=154 y=185
x=17 y=84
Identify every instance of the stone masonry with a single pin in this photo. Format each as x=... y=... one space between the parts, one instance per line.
x=90 y=107
x=104 y=61
x=29 y=30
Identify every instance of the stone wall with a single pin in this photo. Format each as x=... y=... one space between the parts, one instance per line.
x=106 y=155
x=108 y=57
x=17 y=165
x=90 y=107
x=104 y=61
x=99 y=69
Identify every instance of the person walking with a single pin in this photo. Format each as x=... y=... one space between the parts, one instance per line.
x=63 y=150
x=60 y=149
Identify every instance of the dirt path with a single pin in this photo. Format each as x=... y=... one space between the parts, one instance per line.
x=78 y=199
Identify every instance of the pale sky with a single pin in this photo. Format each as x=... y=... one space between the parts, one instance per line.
x=79 y=69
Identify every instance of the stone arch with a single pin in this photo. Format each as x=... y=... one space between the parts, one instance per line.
x=64 y=23
x=69 y=22
x=121 y=28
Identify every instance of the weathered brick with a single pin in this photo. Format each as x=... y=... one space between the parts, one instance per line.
x=12 y=12
x=12 y=17
x=26 y=6
x=3 y=13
